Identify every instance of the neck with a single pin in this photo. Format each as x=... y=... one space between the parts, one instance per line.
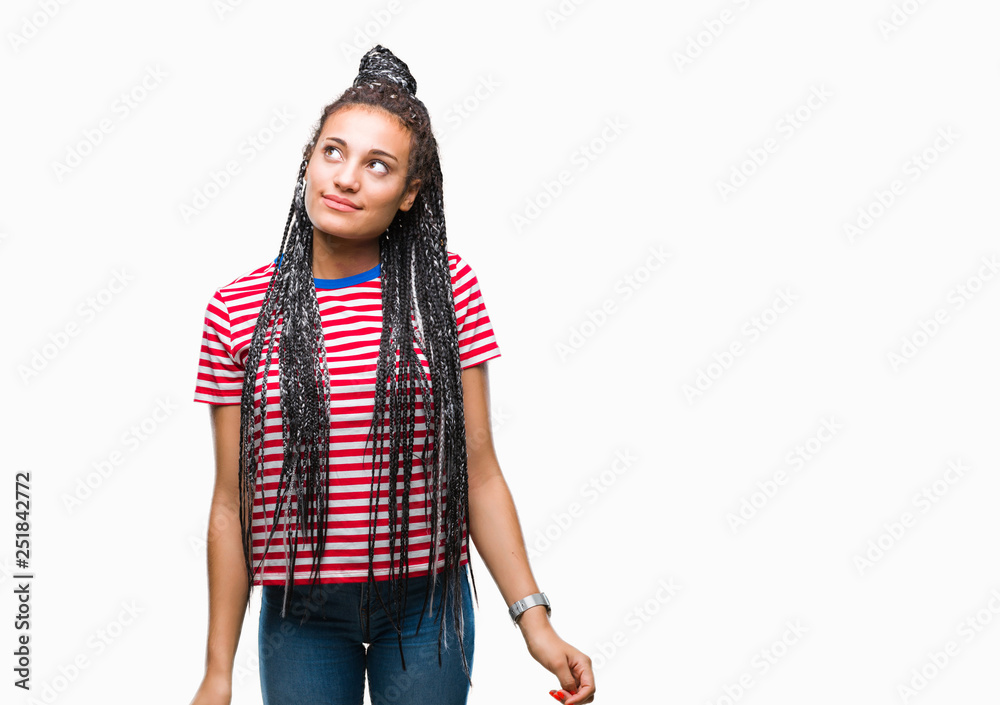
x=336 y=257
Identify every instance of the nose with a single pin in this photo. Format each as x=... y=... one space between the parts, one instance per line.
x=345 y=177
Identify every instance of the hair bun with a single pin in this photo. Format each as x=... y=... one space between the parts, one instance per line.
x=379 y=65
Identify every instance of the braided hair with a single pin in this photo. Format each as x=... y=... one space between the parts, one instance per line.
x=417 y=307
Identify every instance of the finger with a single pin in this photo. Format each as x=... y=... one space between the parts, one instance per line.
x=585 y=678
x=584 y=695
x=567 y=680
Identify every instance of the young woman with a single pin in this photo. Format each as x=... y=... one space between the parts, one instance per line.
x=348 y=485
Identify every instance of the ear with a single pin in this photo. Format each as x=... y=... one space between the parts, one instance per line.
x=410 y=195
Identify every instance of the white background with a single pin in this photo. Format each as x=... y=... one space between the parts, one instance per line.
x=572 y=388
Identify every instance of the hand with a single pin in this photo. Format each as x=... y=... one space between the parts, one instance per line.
x=569 y=664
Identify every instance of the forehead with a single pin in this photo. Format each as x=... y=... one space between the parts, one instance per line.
x=370 y=125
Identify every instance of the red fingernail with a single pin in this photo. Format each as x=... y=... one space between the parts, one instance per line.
x=558 y=695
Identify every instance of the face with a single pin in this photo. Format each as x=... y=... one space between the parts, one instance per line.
x=356 y=176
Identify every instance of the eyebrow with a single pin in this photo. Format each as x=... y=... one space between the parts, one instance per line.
x=373 y=151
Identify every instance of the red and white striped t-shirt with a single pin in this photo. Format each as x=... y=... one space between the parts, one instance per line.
x=351 y=311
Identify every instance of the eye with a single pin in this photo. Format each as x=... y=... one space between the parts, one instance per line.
x=382 y=164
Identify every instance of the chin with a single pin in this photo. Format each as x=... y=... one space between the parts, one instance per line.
x=337 y=230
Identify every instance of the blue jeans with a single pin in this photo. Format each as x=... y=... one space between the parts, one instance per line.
x=324 y=660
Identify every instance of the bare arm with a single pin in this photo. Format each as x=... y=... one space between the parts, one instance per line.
x=493 y=522
x=227 y=580
x=496 y=532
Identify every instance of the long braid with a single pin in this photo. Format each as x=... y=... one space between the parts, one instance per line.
x=417 y=309
x=290 y=318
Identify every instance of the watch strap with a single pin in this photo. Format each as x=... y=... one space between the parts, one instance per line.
x=521 y=605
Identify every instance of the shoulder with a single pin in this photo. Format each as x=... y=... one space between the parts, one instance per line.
x=462 y=274
x=455 y=261
x=249 y=284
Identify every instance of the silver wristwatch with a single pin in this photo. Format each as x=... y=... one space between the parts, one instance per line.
x=520 y=606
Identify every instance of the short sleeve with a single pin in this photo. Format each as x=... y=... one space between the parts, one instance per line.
x=476 y=341
x=220 y=376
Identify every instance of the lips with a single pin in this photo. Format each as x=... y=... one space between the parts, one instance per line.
x=338 y=203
